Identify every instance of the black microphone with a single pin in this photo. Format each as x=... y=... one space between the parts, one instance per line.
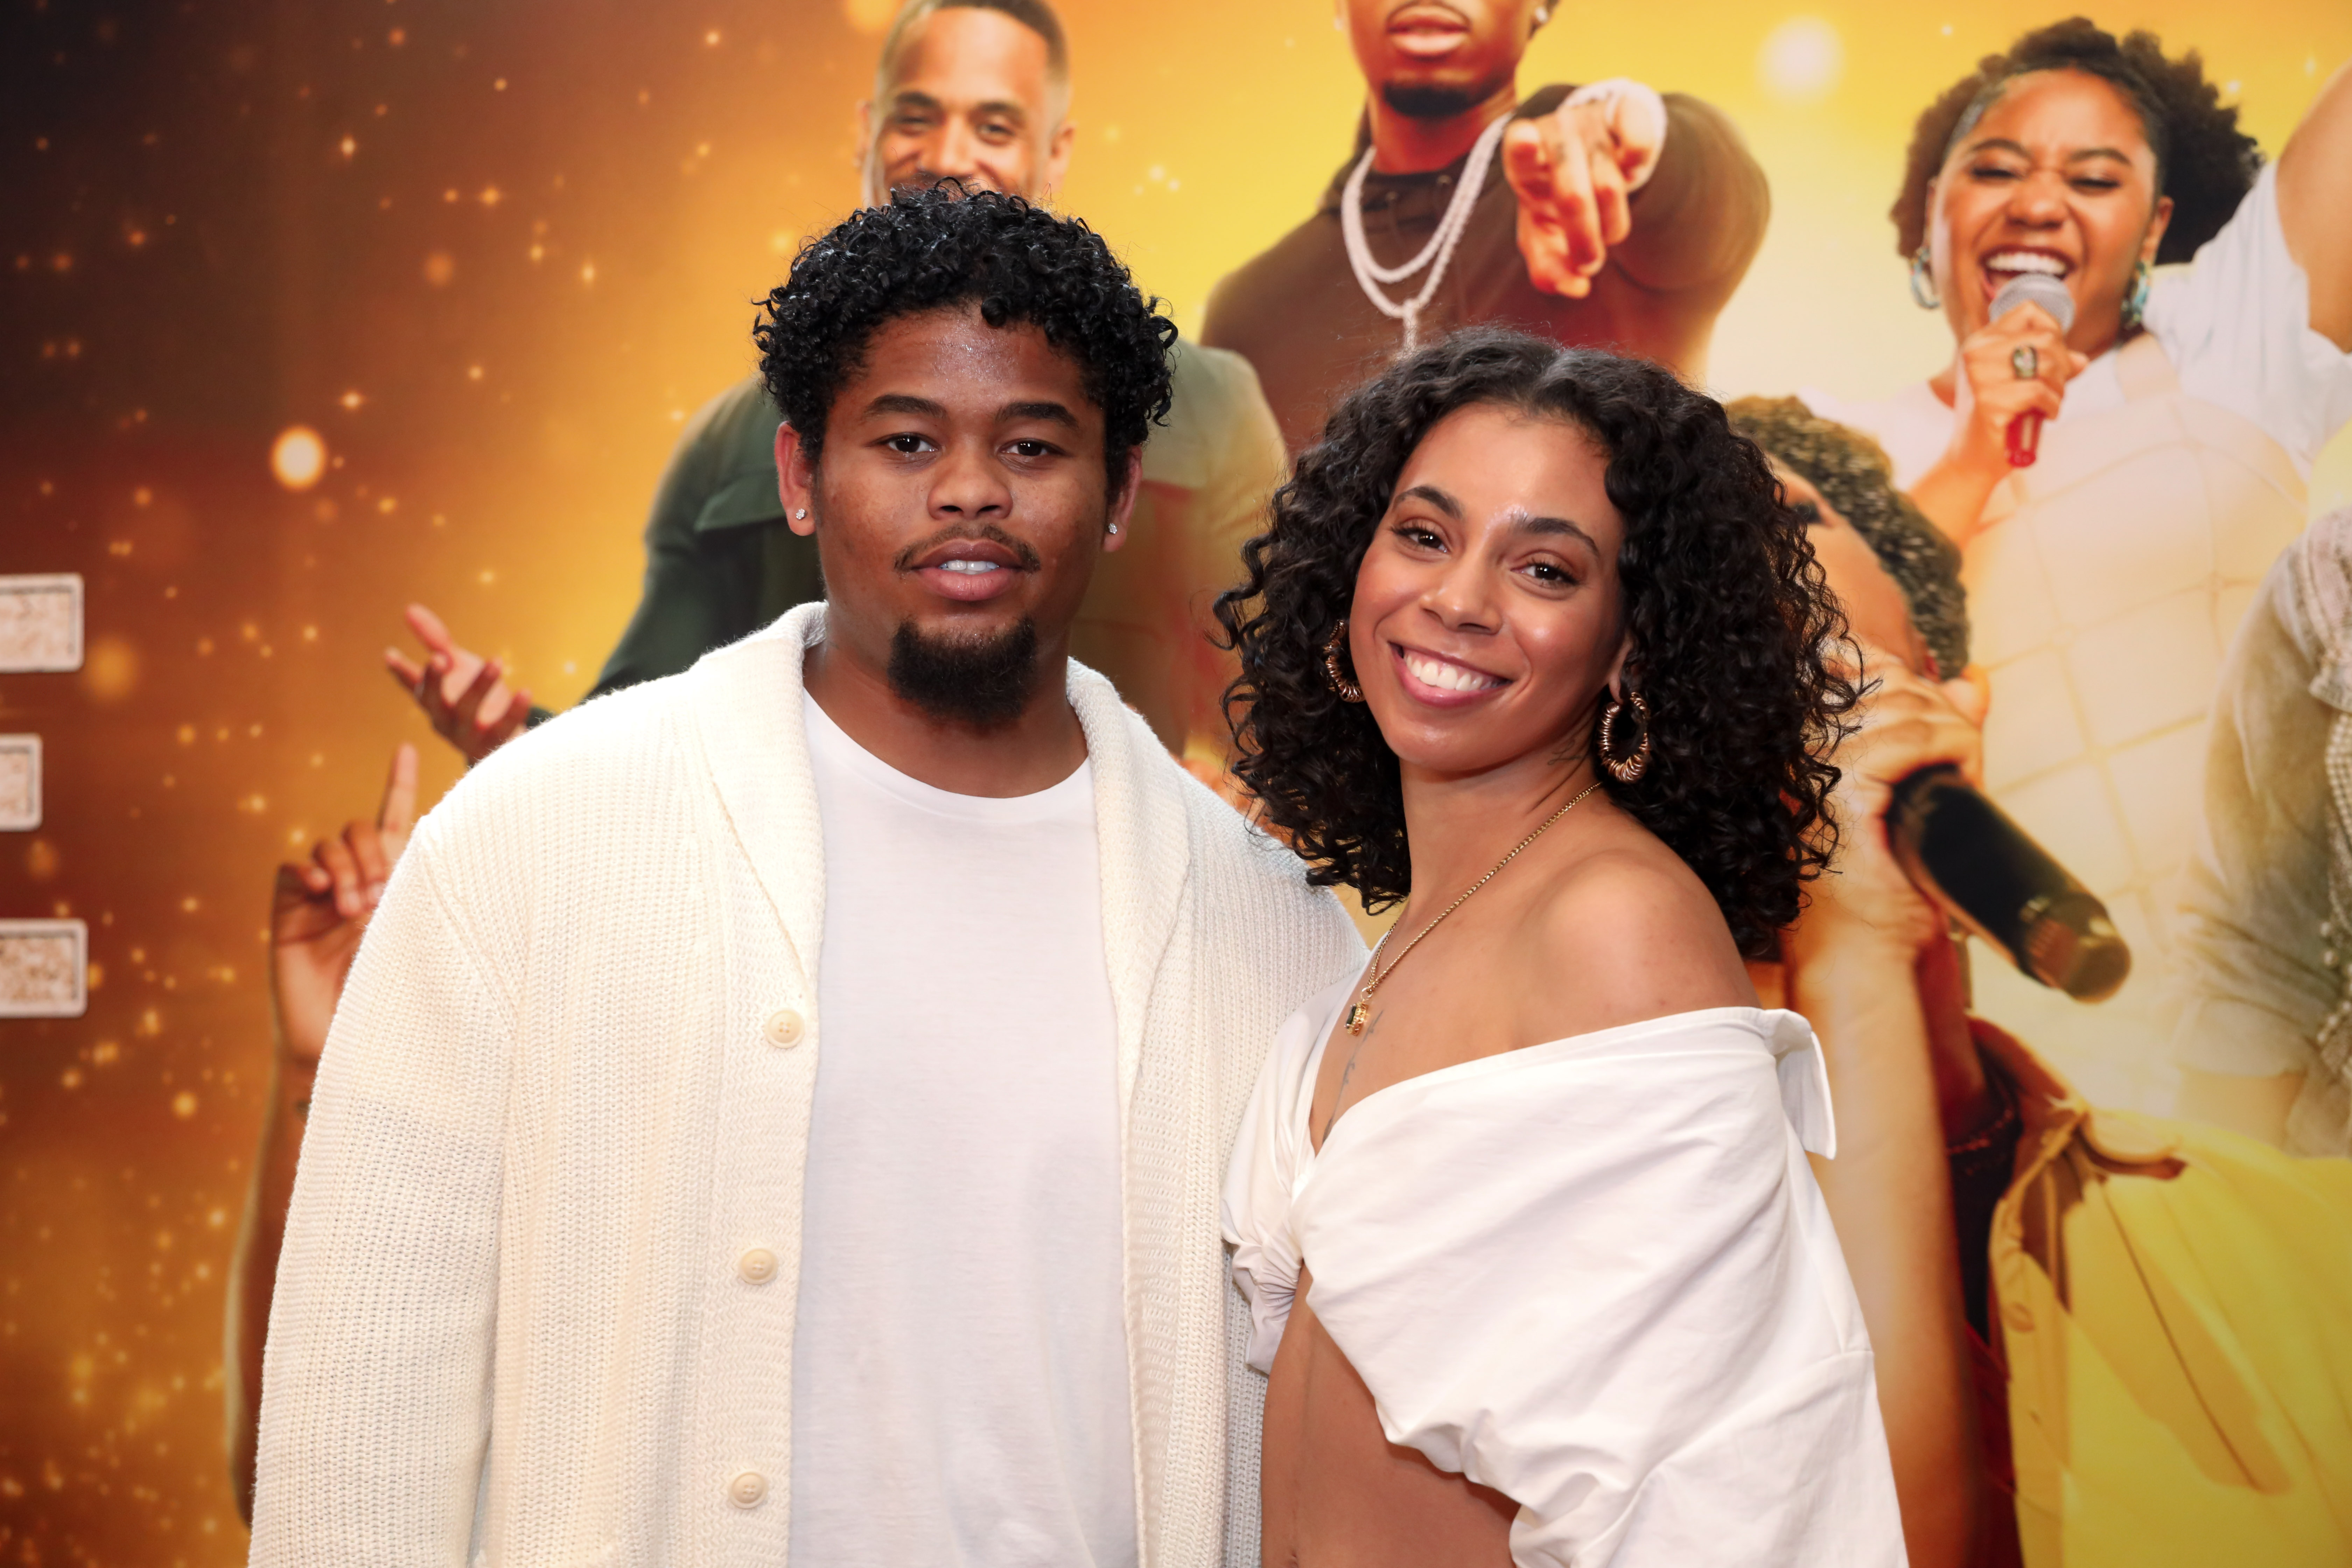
x=1964 y=853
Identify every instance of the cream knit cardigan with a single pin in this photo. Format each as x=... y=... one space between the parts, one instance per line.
x=510 y=1328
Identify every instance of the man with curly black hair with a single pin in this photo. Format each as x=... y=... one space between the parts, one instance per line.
x=977 y=91
x=778 y=1111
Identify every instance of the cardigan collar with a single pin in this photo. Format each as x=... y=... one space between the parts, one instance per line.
x=745 y=699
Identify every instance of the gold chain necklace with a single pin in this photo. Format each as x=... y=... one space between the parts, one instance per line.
x=1361 y=1013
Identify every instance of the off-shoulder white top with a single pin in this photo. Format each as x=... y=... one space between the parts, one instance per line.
x=1595 y=1274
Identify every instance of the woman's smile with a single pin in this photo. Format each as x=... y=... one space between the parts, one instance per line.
x=1441 y=681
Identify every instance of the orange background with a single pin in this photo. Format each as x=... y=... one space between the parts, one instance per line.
x=495 y=253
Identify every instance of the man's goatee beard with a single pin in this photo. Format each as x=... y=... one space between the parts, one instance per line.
x=982 y=682
x=1434 y=100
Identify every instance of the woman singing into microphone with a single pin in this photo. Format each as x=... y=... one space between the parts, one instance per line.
x=1535 y=1258
x=2184 y=407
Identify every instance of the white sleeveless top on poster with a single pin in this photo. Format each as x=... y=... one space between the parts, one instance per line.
x=2104 y=586
x=1595 y=1274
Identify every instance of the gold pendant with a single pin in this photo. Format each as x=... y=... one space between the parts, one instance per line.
x=1358 y=1017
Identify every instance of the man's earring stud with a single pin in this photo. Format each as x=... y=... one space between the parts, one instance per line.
x=800 y=514
x=1114 y=528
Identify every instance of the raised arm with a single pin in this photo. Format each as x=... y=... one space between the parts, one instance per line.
x=2315 y=196
x=319 y=911
x=377 y=1386
x=1870 y=966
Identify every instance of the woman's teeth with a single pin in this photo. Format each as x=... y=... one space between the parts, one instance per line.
x=1447 y=677
x=2025 y=261
x=969 y=568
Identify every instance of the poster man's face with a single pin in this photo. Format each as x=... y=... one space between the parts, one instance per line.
x=1436 y=58
x=971 y=98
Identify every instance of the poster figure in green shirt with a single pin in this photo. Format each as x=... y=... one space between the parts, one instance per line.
x=979 y=91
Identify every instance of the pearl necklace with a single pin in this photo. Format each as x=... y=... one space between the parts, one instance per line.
x=1435 y=255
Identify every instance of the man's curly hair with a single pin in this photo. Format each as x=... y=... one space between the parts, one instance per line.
x=2203 y=162
x=1853 y=475
x=939 y=248
x=1722 y=596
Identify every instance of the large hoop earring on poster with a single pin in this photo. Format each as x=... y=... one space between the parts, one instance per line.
x=2135 y=298
x=1625 y=768
x=1923 y=281
x=1337 y=678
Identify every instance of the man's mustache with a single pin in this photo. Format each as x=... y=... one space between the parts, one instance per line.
x=1023 y=556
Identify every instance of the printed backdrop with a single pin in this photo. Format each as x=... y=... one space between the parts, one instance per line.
x=494 y=253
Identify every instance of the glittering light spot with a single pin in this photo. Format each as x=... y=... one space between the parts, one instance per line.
x=118 y=547
x=710 y=39
x=106 y=1053
x=70 y=1078
x=348 y=146
x=41 y=860
x=387 y=505
x=351 y=399
x=397 y=36
x=183 y=1105
x=440 y=267
x=1802 y=60
x=203 y=648
x=870 y=15
x=109 y=669
x=450 y=194
x=188 y=905
x=150 y=1022
x=491 y=196
x=588 y=272
x=61 y=262
x=537 y=252
x=473 y=372
x=489 y=576
x=499 y=85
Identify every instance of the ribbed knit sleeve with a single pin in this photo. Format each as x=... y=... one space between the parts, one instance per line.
x=375 y=1397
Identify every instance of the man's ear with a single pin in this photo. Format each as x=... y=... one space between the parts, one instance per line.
x=1122 y=505
x=795 y=481
x=1058 y=147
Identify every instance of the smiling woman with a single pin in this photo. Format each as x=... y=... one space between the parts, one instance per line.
x=1535 y=1260
x=2107 y=569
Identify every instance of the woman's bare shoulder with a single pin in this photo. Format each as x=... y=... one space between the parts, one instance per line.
x=1624 y=933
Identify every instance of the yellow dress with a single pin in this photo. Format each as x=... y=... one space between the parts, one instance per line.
x=2175 y=1305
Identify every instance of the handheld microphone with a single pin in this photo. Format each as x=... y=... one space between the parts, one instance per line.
x=2050 y=293
x=1981 y=869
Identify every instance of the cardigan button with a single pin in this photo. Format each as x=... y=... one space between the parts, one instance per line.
x=758 y=1266
x=749 y=1489
x=785 y=1027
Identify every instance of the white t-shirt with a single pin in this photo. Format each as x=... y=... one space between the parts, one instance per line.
x=960 y=1377
x=2235 y=323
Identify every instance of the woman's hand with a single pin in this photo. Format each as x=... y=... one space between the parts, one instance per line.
x=1988 y=396
x=1865 y=909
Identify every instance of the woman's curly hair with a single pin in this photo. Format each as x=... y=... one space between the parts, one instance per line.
x=938 y=247
x=2203 y=162
x=1722 y=597
x=1853 y=475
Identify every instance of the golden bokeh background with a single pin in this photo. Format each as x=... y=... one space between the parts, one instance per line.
x=491 y=255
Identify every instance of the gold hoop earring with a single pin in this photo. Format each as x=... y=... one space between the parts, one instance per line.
x=1347 y=690
x=1624 y=770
